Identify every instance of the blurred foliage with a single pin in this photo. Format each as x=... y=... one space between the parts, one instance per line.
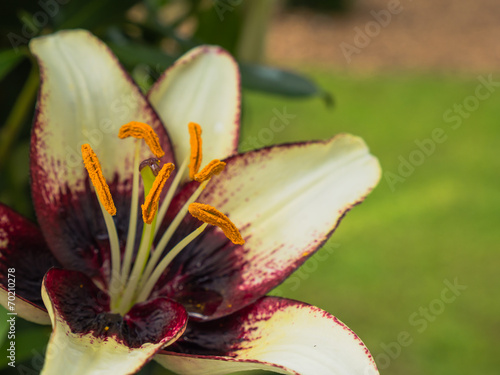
x=147 y=36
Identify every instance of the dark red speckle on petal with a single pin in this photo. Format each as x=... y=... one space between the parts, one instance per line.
x=85 y=308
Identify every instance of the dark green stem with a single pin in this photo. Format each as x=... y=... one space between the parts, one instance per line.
x=17 y=117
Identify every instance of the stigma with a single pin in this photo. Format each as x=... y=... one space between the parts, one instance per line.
x=132 y=279
x=150 y=206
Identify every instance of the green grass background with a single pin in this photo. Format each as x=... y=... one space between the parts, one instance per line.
x=392 y=254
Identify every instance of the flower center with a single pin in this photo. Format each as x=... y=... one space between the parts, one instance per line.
x=132 y=280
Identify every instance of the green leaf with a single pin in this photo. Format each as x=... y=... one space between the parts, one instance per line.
x=91 y=14
x=280 y=82
x=3 y=327
x=153 y=29
x=155 y=5
x=220 y=25
x=133 y=54
x=8 y=61
x=30 y=341
x=145 y=63
x=254 y=77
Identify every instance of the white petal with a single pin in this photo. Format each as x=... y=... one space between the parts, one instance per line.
x=203 y=86
x=72 y=351
x=211 y=365
x=278 y=335
x=286 y=201
x=72 y=354
x=24 y=308
x=85 y=97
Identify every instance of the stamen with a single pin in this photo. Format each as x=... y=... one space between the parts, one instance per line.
x=210 y=215
x=167 y=235
x=108 y=209
x=143 y=131
x=211 y=169
x=162 y=266
x=95 y=173
x=139 y=264
x=132 y=227
x=196 y=149
x=150 y=206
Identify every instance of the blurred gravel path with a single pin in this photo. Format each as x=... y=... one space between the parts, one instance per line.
x=430 y=35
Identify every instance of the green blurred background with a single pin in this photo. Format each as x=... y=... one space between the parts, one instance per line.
x=413 y=270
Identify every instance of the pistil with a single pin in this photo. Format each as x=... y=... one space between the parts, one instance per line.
x=170 y=194
x=132 y=226
x=153 y=182
x=150 y=206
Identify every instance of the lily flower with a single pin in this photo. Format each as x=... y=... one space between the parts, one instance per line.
x=181 y=274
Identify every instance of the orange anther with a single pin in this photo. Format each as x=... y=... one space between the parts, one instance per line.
x=96 y=177
x=212 y=168
x=196 y=149
x=212 y=216
x=142 y=131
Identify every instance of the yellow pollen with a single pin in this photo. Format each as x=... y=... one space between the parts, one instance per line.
x=95 y=173
x=212 y=168
x=196 y=149
x=142 y=131
x=106 y=328
x=212 y=216
x=150 y=206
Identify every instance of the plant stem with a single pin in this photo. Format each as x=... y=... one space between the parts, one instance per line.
x=253 y=31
